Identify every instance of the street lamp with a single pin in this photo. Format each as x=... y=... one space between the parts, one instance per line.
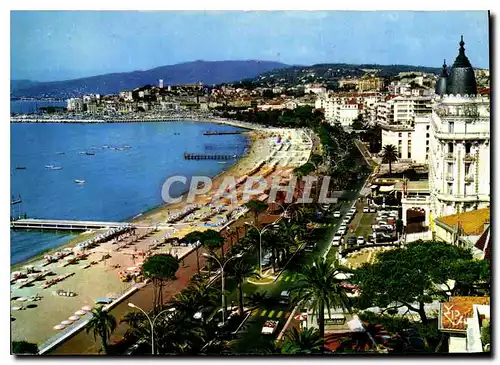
x=261 y=232
x=151 y=322
x=222 y=265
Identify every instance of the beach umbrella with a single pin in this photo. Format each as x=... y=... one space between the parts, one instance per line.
x=66 y=323
x=87 y=308
x=80 y=313
x=59 y=327
x=74 y=318
x=300 y=317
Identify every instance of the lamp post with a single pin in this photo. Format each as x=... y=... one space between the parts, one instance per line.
x=261 y=232
x=151 y=322
x=222 y=265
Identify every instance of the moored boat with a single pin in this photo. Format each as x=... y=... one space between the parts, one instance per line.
x=80 y=181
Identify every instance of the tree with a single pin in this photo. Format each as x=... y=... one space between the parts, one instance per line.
x=303 y=341
x=240 y=270
x=24 y=348
x=101 y=324
x=357 y=123
x=389 y=155
x=160 y=268
x=316 y=160
x=408 y=276
x=318 y=288
x=256 y=207
x=213 y=240
x=193 y=238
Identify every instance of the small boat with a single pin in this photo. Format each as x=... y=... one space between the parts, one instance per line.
x=105 y=146
x=127 y=146
x=90 y=153
x=82 y=152
x=56 y=168
x=49 y=166
x=20 y=168
x=80 y=181
x=222 y=162
x=60 y=153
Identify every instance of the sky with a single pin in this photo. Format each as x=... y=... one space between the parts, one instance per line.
x=60 y=45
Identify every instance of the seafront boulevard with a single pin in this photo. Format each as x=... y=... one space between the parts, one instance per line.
x=99 y=275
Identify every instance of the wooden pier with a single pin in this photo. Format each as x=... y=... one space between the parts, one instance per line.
x=215 y=133
x=202 y=156
x=61 y=225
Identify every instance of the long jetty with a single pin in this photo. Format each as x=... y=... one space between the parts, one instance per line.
x=202 y=156
x=216 y=133
x=61 y=225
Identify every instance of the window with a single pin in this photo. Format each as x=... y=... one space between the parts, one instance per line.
x=399 y=155
x=400 y=142
x=426 y=143
x=426 y=149
x=467 y=147
x=450 y=189
x=427 y=127
x=400 y=135
x=451 y=127
x=450 y=168
x=467 y=169
x=427 y=135
x=450 y=147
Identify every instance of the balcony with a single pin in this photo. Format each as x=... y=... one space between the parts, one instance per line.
x=449 y=156
x=469 y=157
x=449 y=177
x=469 y=179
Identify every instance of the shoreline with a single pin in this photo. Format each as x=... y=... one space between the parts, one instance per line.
x=80 y=237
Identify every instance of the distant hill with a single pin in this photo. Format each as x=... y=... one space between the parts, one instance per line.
x=331 y=72
x=209 y=72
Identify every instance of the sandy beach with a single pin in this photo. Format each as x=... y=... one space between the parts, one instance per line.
x=35 y=311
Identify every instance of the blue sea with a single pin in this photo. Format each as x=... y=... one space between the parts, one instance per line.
x=119 y=184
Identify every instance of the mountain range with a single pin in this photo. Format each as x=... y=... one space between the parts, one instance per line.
x=208 y=72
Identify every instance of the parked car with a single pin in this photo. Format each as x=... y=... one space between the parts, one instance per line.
x=345 y=221
x=285 y=297
x=360 y=240
x=336 y=214
x=373 y=210
x=366 y=210
x=336 y=241
x=352 y=210
x=342 y=230
x=351 y=240
x=310 y=247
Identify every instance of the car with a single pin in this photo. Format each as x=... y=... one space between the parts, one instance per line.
x=336 y=214
x=336 y=241
x=285 y=297
x=351 y=240
x=373 y=210
x=310 y=247
x=342 y=231
x=269 y=327
x=366 y=210
x=360 y=240
x=352 y=210
x=345 y=221
x=387 y=227
x=349 y=216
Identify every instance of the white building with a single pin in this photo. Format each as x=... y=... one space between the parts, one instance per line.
x=75 y=105
x=160 y=83
x=459 y=159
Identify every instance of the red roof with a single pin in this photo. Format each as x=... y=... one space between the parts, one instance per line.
x=484 y=244
x=453 y=314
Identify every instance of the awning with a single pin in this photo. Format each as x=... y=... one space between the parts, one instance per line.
x=386 y=189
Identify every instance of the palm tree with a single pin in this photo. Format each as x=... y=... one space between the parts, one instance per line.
x=194 y=237
x=318 y=288
x=160 y=268
x=240 y=270
x=101 y=324
x=389 y=155
x=302 y=341
x=256 y=207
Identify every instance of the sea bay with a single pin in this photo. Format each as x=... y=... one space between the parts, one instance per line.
x=119 y=182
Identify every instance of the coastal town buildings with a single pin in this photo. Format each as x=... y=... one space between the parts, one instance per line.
x=75 y=105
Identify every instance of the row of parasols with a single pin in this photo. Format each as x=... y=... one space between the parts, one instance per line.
x=78 y=314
